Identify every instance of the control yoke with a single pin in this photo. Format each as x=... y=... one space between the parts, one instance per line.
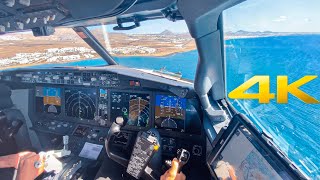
x=114 y=129
x=144 y=154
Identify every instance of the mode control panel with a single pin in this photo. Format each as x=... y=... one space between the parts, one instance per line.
x=85 y=78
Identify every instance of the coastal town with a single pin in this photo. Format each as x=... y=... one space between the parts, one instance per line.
x=23 y=49
x=52 y=55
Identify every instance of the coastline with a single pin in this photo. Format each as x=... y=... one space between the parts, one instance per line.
x=161 y=54
x=157 y=55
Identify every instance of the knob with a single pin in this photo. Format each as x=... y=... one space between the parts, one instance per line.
x=119 y=120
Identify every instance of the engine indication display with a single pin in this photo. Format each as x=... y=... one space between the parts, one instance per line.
x=81 y=103
x=103 y=106
x=133 y=107
x=48 y=100
x=170 y=112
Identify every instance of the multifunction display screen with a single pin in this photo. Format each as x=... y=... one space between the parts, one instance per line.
x=241 y=159
x=133 y=107
x=80 y=103
x=48 y=100
x=170 y=112
x=103 y=104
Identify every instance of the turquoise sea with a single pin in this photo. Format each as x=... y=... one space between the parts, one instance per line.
x=295 y=127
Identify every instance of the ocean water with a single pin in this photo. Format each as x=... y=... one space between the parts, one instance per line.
x=295 y=127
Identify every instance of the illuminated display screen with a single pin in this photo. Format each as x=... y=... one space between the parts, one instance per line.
x=240 y=158
x=103 y=104
x=81 y=103
x=133 y=107
x=170 y=112
x=48 y=100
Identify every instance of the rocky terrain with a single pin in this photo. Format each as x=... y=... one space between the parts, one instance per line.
x=23 y=49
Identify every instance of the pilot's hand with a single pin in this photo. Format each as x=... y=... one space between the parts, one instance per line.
x=172 y=173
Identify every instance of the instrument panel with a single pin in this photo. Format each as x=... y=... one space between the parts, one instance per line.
x=101 y=106
x=84 y=104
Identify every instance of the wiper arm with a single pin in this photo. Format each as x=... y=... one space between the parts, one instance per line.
x=86 y=35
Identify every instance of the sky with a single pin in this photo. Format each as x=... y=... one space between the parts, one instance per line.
x=156 y=26
x=274 y=15
x=253 y=15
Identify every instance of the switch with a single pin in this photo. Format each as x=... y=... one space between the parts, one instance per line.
x=65 y=142
x=2 y=28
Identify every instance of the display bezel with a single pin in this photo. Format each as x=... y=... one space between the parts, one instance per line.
x=62 y=115
x=36 y=104
x=44 y=114
x=151 y=107
x=185 y=114
x=95 y=103
x=280 y=164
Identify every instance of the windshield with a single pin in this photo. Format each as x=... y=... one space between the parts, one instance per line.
x=159 y=45
x=64 y=48
x=278 y=38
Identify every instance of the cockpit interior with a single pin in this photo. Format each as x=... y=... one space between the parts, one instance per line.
x=124 y=123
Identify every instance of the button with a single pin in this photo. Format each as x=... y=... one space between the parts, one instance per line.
x=101 y=139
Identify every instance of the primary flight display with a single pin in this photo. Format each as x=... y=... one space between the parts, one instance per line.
x=170 y=112
x=48 y=100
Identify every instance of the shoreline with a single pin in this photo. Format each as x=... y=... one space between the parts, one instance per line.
x=163 y=55
x=156 y=55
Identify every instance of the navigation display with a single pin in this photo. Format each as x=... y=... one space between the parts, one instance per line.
x=170 y=112
x=80 y=103
x=133 y=107
x=48 y=100
x=242 y=159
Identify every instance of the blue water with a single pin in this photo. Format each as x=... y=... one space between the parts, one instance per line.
x=295 y=126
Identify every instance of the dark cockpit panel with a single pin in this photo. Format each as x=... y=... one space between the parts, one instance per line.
x=83 y=103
